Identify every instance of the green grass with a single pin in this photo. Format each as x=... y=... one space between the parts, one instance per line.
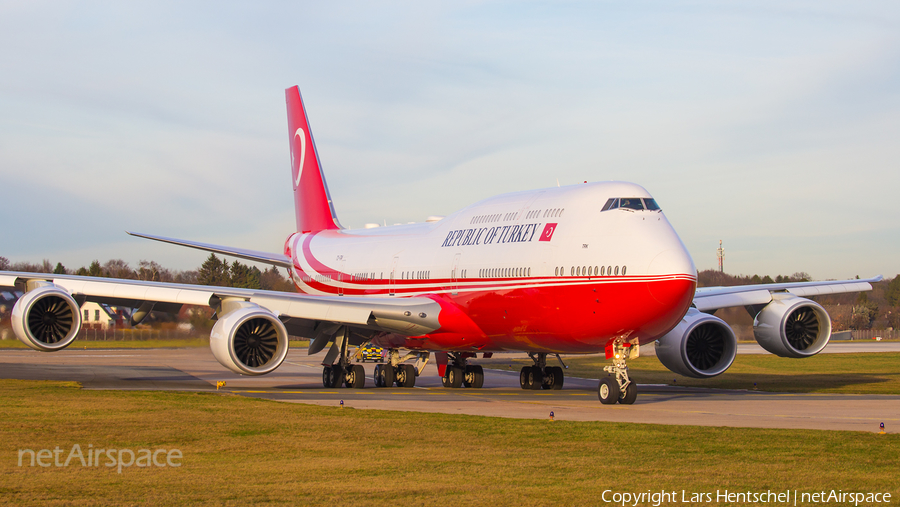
x=138 y=344
x=239 y=451
x=869 y=373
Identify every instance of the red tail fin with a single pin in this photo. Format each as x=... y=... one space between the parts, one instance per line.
x=312 y=202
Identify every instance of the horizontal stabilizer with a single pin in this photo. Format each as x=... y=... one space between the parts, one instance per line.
x=251 y=255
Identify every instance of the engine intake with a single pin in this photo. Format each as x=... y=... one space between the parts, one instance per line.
x=46 y=318
x=700 y=346
x=248 y=339
x=792 y=326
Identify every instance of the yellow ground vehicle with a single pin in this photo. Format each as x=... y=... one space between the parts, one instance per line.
x=369 y=352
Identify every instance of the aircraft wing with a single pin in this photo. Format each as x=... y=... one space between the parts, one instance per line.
x=709 y=299
x=302 y=315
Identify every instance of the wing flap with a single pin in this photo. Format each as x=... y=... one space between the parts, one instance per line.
x=714 y=302
x=831 y=289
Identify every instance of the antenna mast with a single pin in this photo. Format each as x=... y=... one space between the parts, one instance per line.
x=720 y=253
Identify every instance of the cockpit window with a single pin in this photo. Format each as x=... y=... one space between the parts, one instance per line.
x=632 y=203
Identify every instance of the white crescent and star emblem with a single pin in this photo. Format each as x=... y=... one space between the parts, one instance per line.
x=302 y=136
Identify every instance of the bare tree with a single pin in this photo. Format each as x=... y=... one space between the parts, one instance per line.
x=117 y=268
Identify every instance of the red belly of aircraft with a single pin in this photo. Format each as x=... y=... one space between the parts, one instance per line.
x=561 y=319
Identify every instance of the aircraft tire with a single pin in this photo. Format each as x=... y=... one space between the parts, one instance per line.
x=388 y=375
x=358 y=376
x=630 y=394
x=409 y=375
x=608 y=391
x=377 y=376
x=555 y=378
x=535 y=378
x=454 y=377
x=478 y=370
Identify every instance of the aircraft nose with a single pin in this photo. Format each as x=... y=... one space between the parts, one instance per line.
x=672 y=261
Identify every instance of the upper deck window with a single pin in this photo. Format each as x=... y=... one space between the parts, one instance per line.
x=632 y=203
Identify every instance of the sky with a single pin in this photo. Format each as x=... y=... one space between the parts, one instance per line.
x=772 y=126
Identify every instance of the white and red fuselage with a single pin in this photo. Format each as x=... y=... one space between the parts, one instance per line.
x=542 y=271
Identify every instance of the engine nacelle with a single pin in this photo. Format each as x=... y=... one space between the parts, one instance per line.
x=46 y=318
x=248 y=339
x=700 y=346
x=792 y=326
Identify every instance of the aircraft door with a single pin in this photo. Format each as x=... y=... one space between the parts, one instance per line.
x=393 y=275
x=454 y=275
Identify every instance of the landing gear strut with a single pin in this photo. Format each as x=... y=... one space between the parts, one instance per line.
x=342 y=372
x=458 y=373
x=619 y=387
x=394 y=371
x=541 y=376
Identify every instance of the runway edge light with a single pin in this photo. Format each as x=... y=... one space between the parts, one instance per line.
x=882 y=429
x=551 y=415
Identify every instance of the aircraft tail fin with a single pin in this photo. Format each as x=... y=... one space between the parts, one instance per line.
x=312 y=202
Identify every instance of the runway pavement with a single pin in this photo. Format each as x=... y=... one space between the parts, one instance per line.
x=299 y=380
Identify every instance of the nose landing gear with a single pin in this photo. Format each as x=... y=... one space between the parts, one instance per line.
x=618 y=388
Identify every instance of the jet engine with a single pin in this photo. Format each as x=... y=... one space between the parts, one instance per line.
x=792 y=326
x=700 y=346
x=248 y=339
x=46 y=318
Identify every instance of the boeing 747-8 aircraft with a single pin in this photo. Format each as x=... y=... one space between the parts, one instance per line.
x=574 y=270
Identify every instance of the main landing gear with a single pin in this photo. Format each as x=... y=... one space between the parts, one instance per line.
x=458 y=373
x=541 y=376
x=394 y=371
x=342 y=372
x=618 y=388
